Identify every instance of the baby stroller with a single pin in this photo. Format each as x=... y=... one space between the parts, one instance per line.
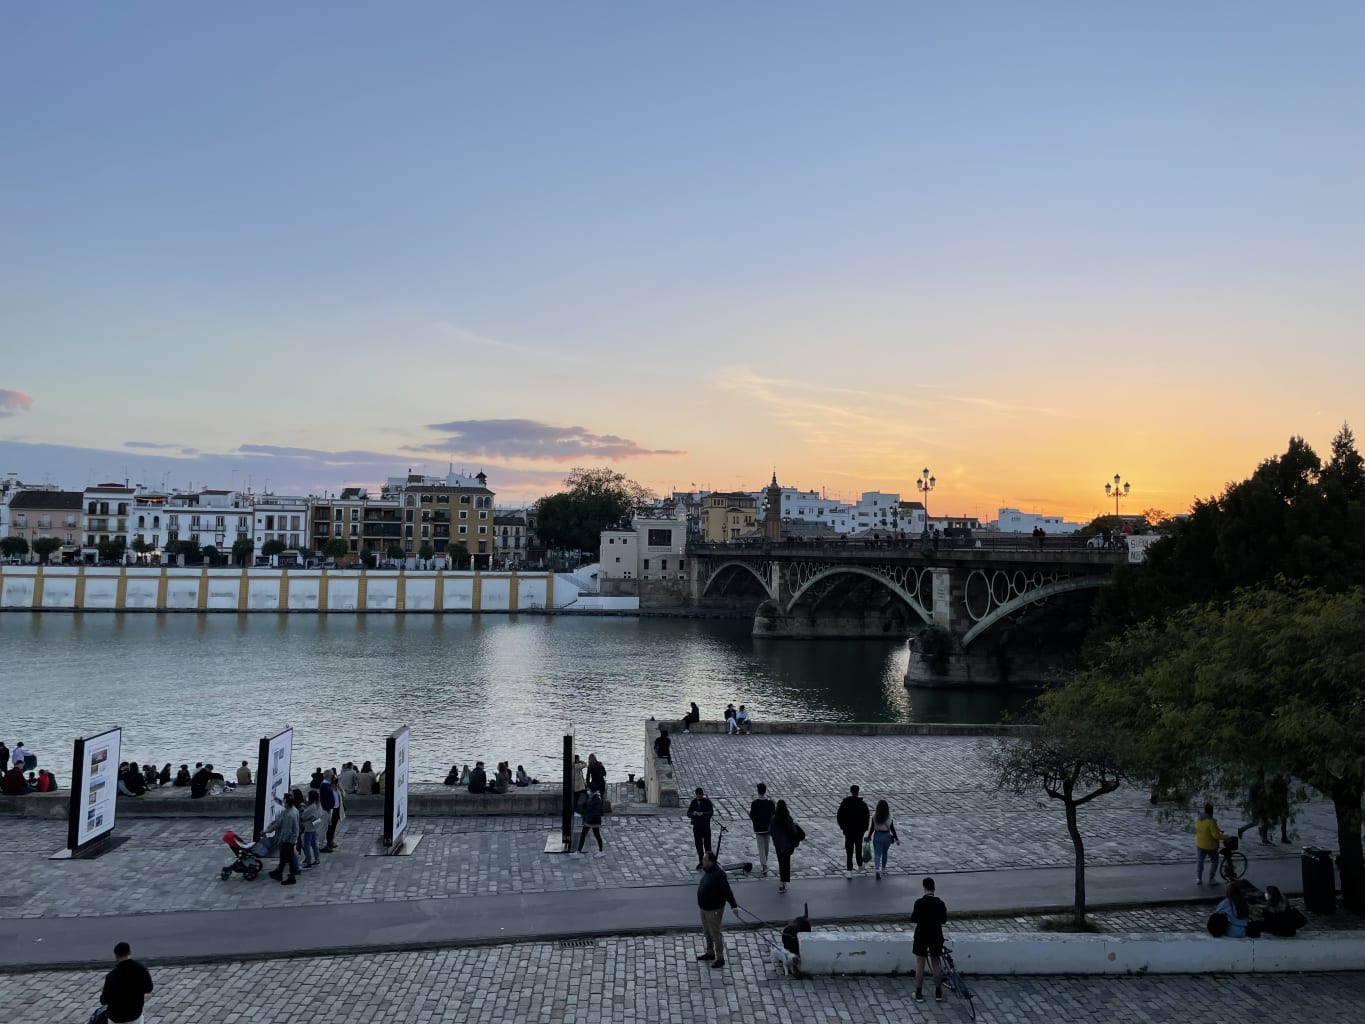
x=250 y=859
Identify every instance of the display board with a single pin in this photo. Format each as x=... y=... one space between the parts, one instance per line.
x=94 y=788
x=273 y=777
x=395 y=787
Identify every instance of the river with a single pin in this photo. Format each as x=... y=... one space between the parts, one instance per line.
x=189 y=688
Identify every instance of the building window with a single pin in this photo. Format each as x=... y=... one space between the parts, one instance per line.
x=646 y=564
x=464 y=513
x=464 y=529
x=663 y=563
x=483 y=529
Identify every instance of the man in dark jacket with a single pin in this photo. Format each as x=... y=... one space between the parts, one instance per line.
x=699 y=812
x=125 y=987
x=713 y=892
x=853 y=819
x=761 y=815
x=478 y=779
x=199 y=784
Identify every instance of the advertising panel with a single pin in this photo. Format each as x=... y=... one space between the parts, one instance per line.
x=273 y=776
x=396 y=787
x=94 y=787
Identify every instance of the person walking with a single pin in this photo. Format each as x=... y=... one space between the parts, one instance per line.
x=853 y=817
x=287 y=832
x=929 y=915
x=126 y=987
x=311 y=817
x=882 y=834
x=786 y=836
x=760 y=815
x=597 y=775
x=713 y=892
x=699 y=812
x=592 y=821
x=1207 y=836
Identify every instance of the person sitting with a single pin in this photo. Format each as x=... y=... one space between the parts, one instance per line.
x=365 y=781
x=182 y=777
x=730 y=726
x=47 y=782
x=502 y=782
x=14 y=783
x=244 y=775
x=315 y=780
x=349 y=778
x=522 y=778
x=478 y=779
x=663 y=746
x=743 y=722
x=453 y=778
x=199 y=784
x=164 y=776
x=149 y=775
x=692 y=717
x=464 y=775
x=1280 y=917
x=1234 y=907
x=133 y=781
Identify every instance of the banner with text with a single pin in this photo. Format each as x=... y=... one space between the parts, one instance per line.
x=396 y=787
x=273 y=776
x=94 y=788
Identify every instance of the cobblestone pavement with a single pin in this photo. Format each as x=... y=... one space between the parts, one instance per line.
x=947 y=817
x=656 y=979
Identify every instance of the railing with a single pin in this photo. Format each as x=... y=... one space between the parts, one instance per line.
x=985 y=544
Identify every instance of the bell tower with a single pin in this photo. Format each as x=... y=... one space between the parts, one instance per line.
x=772 y=513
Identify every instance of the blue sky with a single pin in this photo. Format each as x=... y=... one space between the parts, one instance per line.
x=1027 y=245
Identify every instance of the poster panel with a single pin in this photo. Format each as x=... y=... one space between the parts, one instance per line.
x=274 y=769
x=94 y=787
x=396 y=787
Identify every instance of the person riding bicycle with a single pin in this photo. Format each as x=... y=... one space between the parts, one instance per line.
x=1207 y=836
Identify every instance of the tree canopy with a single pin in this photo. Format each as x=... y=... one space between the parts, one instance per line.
x=13 y=547
x=592 y=500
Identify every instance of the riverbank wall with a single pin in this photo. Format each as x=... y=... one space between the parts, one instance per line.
x=170 y=589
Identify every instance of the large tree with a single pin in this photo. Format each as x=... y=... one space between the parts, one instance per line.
x=337 y=547
x=44 y=547
x=592 y=500
x=1272 y=682
x=112 y=550
x=242 y=548
x=13 y=547
x=1073 y=757
x=272 y=547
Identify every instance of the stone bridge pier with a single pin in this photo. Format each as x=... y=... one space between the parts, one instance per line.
x=973 y=616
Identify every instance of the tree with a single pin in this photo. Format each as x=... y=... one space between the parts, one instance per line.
x=242 y=548
x=187 y=549
x=426 y=551
x=142 y=547
x=1071 y=757
x=458 y=555
x=593 y=499
x=209 y=554
x=335 y=548
x=395 y=552
x=1272 y=682
x=44 y=547
x=272 y=547
x=112 y=550
x=13 y=547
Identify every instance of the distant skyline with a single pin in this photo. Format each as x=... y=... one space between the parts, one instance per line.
x=1028 y=246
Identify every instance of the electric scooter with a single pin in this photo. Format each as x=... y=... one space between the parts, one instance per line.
x=743 y=867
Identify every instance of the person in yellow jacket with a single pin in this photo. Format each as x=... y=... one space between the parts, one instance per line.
x=1207 y=836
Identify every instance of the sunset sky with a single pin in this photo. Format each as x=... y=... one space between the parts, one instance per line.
x=1029 y=246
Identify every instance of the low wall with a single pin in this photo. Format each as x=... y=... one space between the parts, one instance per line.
x=858 y=728
x=167 y=588
x=423 y=801
x=1013 y=953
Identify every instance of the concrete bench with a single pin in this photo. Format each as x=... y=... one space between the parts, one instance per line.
x=1037 y=953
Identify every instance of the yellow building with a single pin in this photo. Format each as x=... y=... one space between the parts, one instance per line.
x=728 y=516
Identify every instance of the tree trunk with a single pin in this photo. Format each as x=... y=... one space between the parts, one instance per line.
x=1346 y=799
x=1079 y=844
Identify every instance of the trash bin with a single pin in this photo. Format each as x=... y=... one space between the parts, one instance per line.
x=1319 y=881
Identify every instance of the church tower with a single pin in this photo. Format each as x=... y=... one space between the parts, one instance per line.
x=772 y=513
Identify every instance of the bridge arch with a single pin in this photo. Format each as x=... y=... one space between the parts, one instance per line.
x=817 y=586
x=1065 y=585
x=718 y=571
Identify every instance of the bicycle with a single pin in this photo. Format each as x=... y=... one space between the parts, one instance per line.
x=953 y=978
x=1232 y=862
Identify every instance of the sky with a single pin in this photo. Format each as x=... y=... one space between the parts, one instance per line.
x=1028 y=246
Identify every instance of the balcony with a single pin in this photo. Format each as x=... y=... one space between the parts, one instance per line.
x=381 y=530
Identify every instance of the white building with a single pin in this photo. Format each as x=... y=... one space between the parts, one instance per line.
x=1011 y=520
x=652 y=549
x=209 y=518
x=280 y=517
x=809 y=507
x=105 y=517
x=877 y=510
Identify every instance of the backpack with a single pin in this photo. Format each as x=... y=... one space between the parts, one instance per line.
x=327 y=798
x=1218 y=925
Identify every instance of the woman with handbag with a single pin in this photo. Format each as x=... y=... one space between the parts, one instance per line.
x=785 y=835
x=882 y=834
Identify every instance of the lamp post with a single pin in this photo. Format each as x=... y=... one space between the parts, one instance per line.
x=1118 y=489
x=924 y=484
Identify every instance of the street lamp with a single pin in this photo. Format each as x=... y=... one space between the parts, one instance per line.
x=924 y=485
x=1118 y=489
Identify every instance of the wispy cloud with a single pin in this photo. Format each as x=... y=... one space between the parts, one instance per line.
x=13 y=401
x=468 y=337
x=531 y=440
x=154 y=445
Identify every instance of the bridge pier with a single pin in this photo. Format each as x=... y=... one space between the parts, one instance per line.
x=846 y=624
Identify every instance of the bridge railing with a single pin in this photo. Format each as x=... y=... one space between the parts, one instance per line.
x=986 y=544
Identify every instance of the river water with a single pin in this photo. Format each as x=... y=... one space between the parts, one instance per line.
x=189 y=688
